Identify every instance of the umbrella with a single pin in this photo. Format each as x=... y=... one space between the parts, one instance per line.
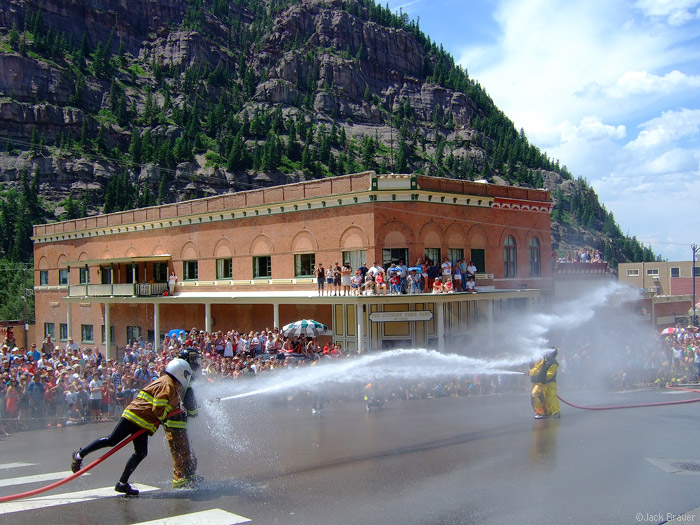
x=306 y=328
x=176 y=332
x=667 y=331
x=418 y=269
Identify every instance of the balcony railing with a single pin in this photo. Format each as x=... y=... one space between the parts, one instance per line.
x=117 y=290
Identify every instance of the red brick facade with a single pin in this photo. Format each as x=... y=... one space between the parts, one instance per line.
x=324 y=218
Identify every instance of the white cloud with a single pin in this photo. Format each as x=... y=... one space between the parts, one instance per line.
x=643 y=83
x=665 y=130
x=675 y=12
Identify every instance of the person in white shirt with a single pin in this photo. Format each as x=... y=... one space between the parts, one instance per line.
x=95 y=397
x=72 y=345
x=471 y=270
x=446 y=270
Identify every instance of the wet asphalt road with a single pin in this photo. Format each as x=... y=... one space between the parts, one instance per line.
x=434 y=461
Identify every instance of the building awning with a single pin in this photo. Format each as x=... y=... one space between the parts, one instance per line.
x=120 y=260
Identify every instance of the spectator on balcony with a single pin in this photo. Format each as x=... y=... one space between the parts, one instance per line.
x=171 y=282
x=446 y=270
x=470 y=285
x=471 y=270
x=346 y=275
x=458 y=276
x=320 y=274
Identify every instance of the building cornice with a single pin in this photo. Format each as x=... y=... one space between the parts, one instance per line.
x=382 y=189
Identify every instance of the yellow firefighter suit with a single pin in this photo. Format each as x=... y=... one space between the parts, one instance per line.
x=551 y=400
x=538 y=375
x=184 y=460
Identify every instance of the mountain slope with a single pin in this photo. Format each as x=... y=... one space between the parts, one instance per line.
x=133 y=103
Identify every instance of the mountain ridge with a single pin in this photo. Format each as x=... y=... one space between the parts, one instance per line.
x=134 y=103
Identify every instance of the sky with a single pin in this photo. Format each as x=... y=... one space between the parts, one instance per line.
x=610 y=88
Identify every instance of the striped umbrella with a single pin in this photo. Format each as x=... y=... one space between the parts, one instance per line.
x=306 y=328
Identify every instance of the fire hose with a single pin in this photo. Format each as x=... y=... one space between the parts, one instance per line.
x=82 y=471
x=640 y=405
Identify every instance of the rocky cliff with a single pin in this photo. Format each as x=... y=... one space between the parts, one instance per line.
x=187 y=98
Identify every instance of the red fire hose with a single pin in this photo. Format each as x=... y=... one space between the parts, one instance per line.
x=616 y=407
x=82 y=471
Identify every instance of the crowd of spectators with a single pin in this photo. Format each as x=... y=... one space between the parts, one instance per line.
x=69 y=385
x=426 y=276
x=55 y=386
x=582 y=255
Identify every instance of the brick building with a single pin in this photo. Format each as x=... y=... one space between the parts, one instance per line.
x=245 y=260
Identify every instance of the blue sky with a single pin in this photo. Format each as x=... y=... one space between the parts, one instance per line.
x=611 y=88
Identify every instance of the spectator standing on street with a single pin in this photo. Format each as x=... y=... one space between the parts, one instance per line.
x=35 y=395
x=95 y=398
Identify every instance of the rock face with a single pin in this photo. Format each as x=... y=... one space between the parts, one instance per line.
x=185 y=76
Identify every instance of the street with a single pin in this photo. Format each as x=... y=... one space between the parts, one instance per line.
x=478 y=459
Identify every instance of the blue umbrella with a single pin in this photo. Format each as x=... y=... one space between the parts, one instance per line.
x=176 y=332
x=418 y=269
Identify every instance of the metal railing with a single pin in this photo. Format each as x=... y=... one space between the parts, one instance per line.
x=117 y=290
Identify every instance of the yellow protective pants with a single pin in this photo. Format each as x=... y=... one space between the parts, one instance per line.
x=538 y=402
x=184 y=461
x=551 y=401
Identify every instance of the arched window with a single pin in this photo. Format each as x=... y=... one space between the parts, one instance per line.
x=534 y=257
x=510 y=257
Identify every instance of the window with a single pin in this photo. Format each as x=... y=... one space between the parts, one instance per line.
x=111 y=334
x=50 y=329
x=132 y=274
x=652 y=271
x=106 y=274
x=675 y=271
x=190 y=270
x=455 y=255
x=479 y=259
x=304 y=264
x=633 y=273
x=63 y=331
x=224 y=268
x=262 y=266
x=510 y=257
x=535 y=267
x=85 y=275
x=44 y=278
x=433 y=254
x=160 y=272
x=63 y=277
x=133 y=333
x=86 y=333
x=696 y=271
x=394 y=255
x=355 y=258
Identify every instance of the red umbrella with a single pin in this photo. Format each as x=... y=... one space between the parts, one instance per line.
x=669 y=330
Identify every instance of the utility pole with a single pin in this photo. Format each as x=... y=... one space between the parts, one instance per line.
x=694 y=247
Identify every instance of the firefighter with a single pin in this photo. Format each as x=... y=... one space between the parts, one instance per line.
x=152 y=406
x=551 y=400
x=538 y=375
x=184 y=460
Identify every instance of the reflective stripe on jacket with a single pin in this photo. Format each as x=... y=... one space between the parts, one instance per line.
x=154 y=404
